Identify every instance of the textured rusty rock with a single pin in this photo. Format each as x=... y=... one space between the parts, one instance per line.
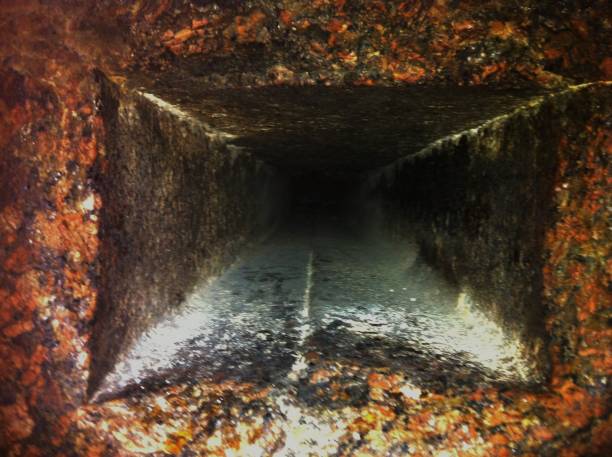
x=483 y=422
x=49 y=140
x=490 y=42
x=578 y=268
x=48 y=245
x=50 y=134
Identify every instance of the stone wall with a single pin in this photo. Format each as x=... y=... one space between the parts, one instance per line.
x=178 y=205
x=577 y=271
x=49 y=140
x=482 y=202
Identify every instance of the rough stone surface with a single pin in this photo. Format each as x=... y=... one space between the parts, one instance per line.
x=577 y=269
x=367 y=42
x=178 y=204
x=482 y=203
x=50 y=139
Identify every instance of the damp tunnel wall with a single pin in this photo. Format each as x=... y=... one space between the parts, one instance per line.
x=483 y=204
x=179 y=205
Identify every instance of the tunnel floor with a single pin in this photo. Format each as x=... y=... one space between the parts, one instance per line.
x=320 y=288
x=326 y=339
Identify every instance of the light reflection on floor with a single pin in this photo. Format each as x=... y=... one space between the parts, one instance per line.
x=327 y=291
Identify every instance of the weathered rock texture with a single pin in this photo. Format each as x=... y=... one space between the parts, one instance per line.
x=50 y=132
x=178 y=204
x=482 y=202
x=577 y=270
x=372 y=42
x=49 y=208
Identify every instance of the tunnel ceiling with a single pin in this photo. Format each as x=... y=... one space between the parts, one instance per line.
x=339 y=128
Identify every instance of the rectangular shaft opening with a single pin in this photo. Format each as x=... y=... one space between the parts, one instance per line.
x=235 y=264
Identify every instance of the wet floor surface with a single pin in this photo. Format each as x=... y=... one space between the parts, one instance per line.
x=323 y=341
x=318 y=291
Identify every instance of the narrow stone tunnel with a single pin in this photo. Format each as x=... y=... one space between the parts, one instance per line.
x=305 y=228
x=285 y=249
x=318 y=155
